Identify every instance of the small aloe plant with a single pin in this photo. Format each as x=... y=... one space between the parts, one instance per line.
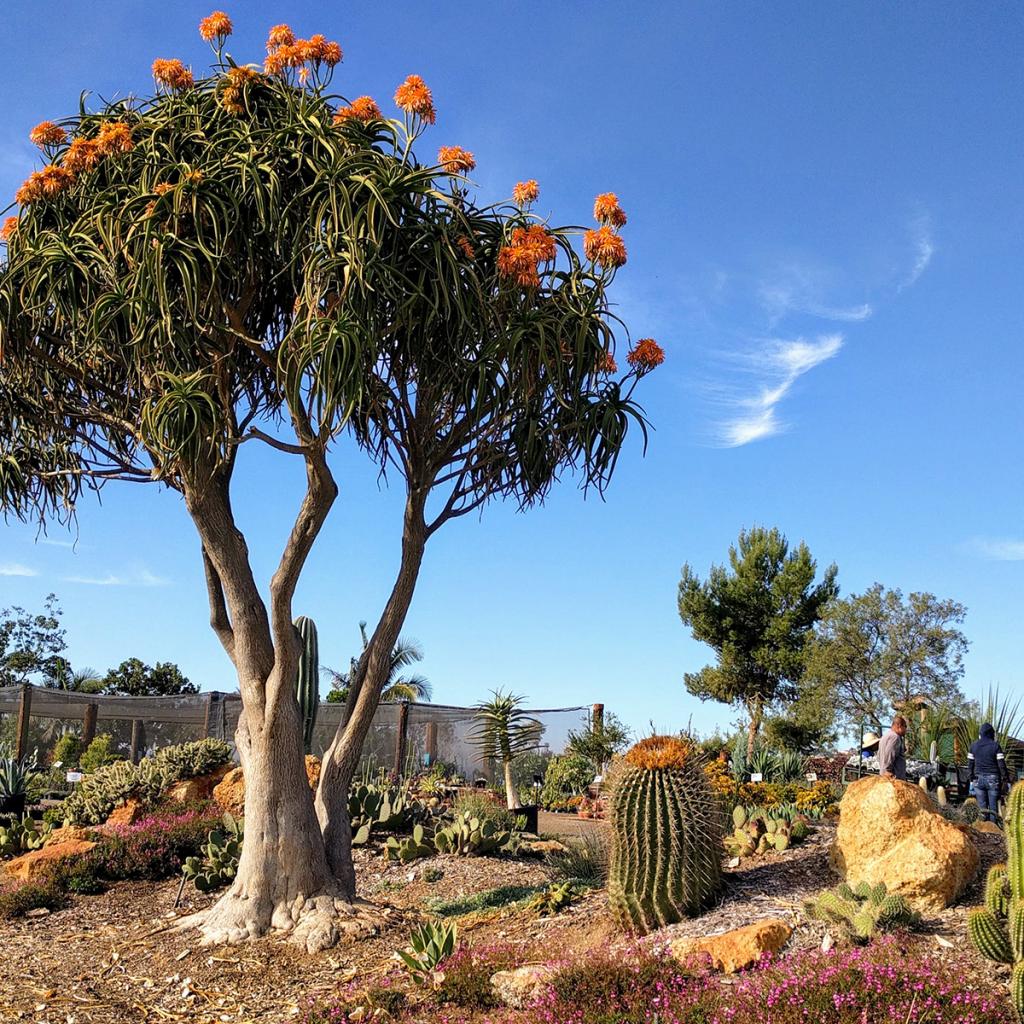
x=429 y=945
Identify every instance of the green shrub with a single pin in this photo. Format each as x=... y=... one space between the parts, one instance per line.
x=485 y=808
x=467 y=975
x=17 y=900
x=67 y=750
x=98 y=754
x=489 y=899
x=567 y=776
x=584 y=859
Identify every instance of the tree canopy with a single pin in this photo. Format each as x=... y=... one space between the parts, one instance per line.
x=757 y=614
x=134 y=678
x=31 y=643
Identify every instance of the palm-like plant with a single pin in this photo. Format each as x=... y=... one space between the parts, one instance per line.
x=412 y=688
x=504 y=730
x=1003 y=712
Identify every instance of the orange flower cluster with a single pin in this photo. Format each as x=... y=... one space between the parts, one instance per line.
x=466 y=246
x=44 y=184
x=362 y=108
x=608 y=211
x=82 y=156
x=46 y=133
x=114 y=137
x=215 y=26
x=526 y=192
x=659 y=752
x=528 y=248
x=646 y=355
x=284 y=51
x=172 y=74
x=607 y=363
x=232 y=96
x=414 y=97
x=163 y=188
x=455 y=159
x=604 y=247
x=7 y=231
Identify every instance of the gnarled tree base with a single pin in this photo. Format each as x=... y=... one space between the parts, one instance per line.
x=314 y=922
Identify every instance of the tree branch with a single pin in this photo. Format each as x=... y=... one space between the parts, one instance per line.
x=219 y=619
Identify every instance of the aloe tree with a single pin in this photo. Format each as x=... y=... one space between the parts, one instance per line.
x=397 y=687
x=503 y=731
x=250 y=260
x=1003 y=711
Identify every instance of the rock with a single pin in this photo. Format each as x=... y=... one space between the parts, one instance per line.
x=200 y=788
x=128 y=813
x=542 y=847
x=229 y=793
x=523 y=986
x=30 y=866
x=66 y=834
x=733 y=951
x=889 y=831
x=988 y=827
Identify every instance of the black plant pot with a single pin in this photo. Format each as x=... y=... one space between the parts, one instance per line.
x=13 y=804
x=530 y=814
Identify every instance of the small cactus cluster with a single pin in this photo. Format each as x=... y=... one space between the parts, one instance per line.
x=307 y=678
x=221 y=853
x=468 y=837
x=666 y=847
x=412 y=847
x=997 y=929
x=554 y=899
x=758 y=830
x=861 y=911
x=22 y=837
x=381 y=808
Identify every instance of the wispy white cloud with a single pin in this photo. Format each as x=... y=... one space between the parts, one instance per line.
x=776 y=365
x=141 y=577
x=1004 y=549
x=16 y=569
x=54 y=543
x=924 y=249
x=804 y=289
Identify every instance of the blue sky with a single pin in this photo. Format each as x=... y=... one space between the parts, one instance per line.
x=825 y=223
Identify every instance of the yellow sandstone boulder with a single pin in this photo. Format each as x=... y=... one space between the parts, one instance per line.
x=890 y=831
x=31 y=865
x=736 y=950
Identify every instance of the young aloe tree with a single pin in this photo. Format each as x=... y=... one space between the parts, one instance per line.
x=247 y=259
x=503 y=732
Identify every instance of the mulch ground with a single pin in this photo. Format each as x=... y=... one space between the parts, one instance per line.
x=110 y=959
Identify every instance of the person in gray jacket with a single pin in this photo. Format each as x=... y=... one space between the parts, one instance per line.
x=988 y=772
x=892 y=751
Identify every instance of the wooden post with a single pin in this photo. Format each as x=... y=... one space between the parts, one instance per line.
x=597 y=718
x=89 y=724
x=138 y=740
x=403 y=737
x=24 y=713
x=431 y=742
x=208 y=715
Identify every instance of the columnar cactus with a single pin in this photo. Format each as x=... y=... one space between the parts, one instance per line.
x=666 y=848
x=997 y=929
x=307 y=678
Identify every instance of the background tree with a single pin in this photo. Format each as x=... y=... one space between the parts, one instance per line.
x=600 y=742
x=757 y=614
x=502 y=732
x=63 y=676
x=30 y=642
x=133 y=678
x=397 y=687
x=875 y=654
x=248 y=259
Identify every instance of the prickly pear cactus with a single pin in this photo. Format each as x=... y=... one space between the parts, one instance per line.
x=307 y=678
x=666 y=848
x=997 y=929
x=861 y=912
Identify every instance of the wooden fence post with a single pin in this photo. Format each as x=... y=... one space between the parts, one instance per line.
x=208 y=715
x=431 y=743
x=89 y=724
x=24 y=713
x=403 y=737
x=138 y=740
x=597 y=718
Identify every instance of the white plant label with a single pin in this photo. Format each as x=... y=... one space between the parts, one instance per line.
x=756 y=777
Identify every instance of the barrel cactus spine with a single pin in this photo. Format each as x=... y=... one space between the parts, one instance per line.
x=666 y=823
x=307 y=678
x=997 y=929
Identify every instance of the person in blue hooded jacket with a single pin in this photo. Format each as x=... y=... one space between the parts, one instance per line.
x=988 y=772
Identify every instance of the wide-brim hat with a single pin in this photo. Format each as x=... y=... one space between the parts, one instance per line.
x=870 y=740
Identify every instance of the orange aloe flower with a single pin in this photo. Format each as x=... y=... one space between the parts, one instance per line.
x=607 y=364
x=114 y=137
x=414 y=97
x=604 y=247
x=233 y=92
x=280 y=35
x=528 y=248
x=172 y=74
x=7 y=231
x=646 y=355
x=44 y=184
x=526 y=192
x=46 y=133
x=363 y=108
x=215 y=26
x=455 y=159
x=321 y=50
x=81 y=156
x=163 y=188
x=608 y=211
x=466 y=246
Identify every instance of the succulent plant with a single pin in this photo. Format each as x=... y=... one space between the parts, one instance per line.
x=997 y=929
x=22 y=837
x=666 y=847
x=429 y=945
x=862 y=911
x=554 y=899
x=383 y=808
x=411 y=848
x=307 y=678
x=15 y=774
x=467 y=836
x=191 y=760
x=760 y=829
x=221 y=853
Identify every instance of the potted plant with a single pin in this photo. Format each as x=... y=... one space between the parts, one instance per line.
x=15 y=774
